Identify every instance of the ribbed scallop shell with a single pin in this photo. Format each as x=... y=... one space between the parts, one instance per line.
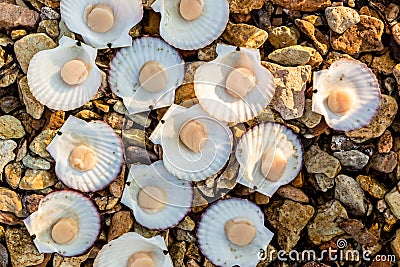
x=45 y=81
x=62 y=204
x=360 y=80
x=178 y=159
x=125 y=70
x=195 y=34
x=127 y=13
x=179 y=195
x=117 y=252
x=100 y=137
x=209 y=84
x=267 y=137
x=215 y=245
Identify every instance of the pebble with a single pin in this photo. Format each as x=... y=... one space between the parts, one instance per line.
x=288 y=229
x=395 y=244
x=60 y=261
x=324 y=182
x=6 y=151
x=121 y=223
x=244 y=6
x=383 y=64
x=13 y=16
x=325 y=224
x=54 y=120
x=28 y=46
x=393 y=200
x=50 y=27
x=199 y=202
x=187 y=224
x=293 y=193
x=30 y=203
x=385 y=142
x=182 y=235
x=177 y=252
x=33 y=107
x=115 y=120
x=362 y=37
x=10 y=76
x=10 y=201
x=352 y=160
x=193 y=252
x=319 y=161
x=310 y=118
x=3 y=256
x=134 y=137
x=227 y=179
x=208 y=53
x=64 y=31
x=341 y=18
x=11 y=128
x=359 y=232
x=320 y=41
x=117 y=186
x=21 y=247
x=370 y=185
x=39 y=144
x=296 y=55
x=13 y=174
x=384 y=162
x=289 y=99
x=244 y=35
x=37 y=179
x=384 y=118
x=303 y=5
x=349 y=192
x=141 y=119
x=9 y=103
x=283 y=36
x=49 y=13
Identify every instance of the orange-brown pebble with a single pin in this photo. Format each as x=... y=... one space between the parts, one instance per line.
x=190 y=9
x=64 y=231
x=82 y=158
x=340 y=101
x=273 y=164
x=153 y=77
x=193 y=135
x=152 y=199
x=240 y=231
x=74 y=72
x=99 y=18
x=141 y=259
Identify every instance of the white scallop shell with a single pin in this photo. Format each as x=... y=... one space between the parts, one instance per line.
x=179 y=195
x=179 y=160
x=127 y=13
x=215 y=245
x=195 y=34
x=125 y=68
x=360 y=80
x=209 y=85
x=267 y=137
x=45 y=81
x=61 y=204
x=100 y=137
x=117 y=252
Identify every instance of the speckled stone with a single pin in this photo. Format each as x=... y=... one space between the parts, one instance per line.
x=319 y=161
x=341 y=18
x=303 y=5
x=371 y=186
x=352 y=160
x=244 y=35
x=295 y=55
x=11 y=128
x=6 y=151
x=33 y=107
x=37 y=179
x=384 y=162
x=393 y=200
x=13 y=16
x=39 y=144
x=349 y=192
x=283 y=36
x=320 y=41
x=10 y=76
x=244 y=6
x=121 y=223
x=10 y=201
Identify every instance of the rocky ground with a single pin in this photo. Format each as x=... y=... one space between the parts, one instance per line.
x=346 y=190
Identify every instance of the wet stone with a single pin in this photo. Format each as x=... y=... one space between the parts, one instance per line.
x=349 y=192
x=384 y=162
x=244 y=35
x=319 y=161
x=352 y=160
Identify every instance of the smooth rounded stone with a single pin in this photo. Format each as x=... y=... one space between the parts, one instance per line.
x=3 y=255
x=11 y=128
x=121 y=223
x=281 y=217
x=371 y=186
x=6 y=151
x=320 y=41
x=36 y=163
x=293 y=193
x=30 y=203
x=352 y=160
x=310 y=118
x=318 y=161
x=384 y=162
x=383 y=64
x=135 y=155
x=261 y=199
x=349 y=192
x=10 y=201
x=208 y=53
x=283 y=36
x=13 y=174
x=379 y=124
x=33 y=107
x=177 y=253
x=362 y=37
x=50 y=27
x=187 y=224
x=60 y=261
x=244 y=35
x=37 y=179
x=14 y=16
x=303 y=5
x=289 y=98
x=39 y=144
x=325 y=224
x=9 y=75
x=341 y=18
x=244 y=6
x=295 y=55
x=28 y=46
x=21 y=248
x=9 y=103
x=134 y=137
x=49 y=13
x=393 y=200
